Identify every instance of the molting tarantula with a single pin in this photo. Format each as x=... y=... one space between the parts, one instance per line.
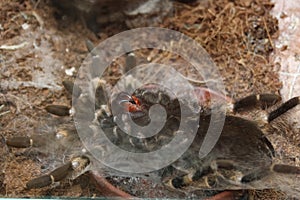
x=242 y=158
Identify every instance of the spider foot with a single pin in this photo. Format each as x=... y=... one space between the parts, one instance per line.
x=207 y=174
x=74 y=167
x=265 y=171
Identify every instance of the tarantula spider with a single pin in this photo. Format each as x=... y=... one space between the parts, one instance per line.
x=242 y=157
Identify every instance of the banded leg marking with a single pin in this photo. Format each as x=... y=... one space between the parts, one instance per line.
x=78 y=163
x=207 y=173
x=25 y=141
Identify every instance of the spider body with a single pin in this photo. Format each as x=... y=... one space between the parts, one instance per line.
x=243 y=153
x=242 y=157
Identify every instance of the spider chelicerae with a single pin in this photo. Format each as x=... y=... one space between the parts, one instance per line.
x=242 y=158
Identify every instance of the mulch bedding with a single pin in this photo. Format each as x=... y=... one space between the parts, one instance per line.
x=238 y=36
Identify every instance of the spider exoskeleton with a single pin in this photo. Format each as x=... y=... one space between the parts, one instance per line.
x=242 y=157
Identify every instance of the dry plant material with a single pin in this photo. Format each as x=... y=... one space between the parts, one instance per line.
x=238 y=35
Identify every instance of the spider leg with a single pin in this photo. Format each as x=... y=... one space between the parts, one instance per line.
x=223 y=164
x=226 y=170
x=207 y=172
x=71 y=88
x=130 y=62
x=94 y=69
x=89 y=45
x=84 y=108
x=255 y=175
x=76 y=165
x=26 y=142
x=265 y=100
x=101 y=94
x=285 y=169
x=44 y=142
x=283 y=108
x=185 y=180
x=54 y=176
x=265 y=171
x=59 y=110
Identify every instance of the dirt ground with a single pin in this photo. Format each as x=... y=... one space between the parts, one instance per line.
x=40 y=45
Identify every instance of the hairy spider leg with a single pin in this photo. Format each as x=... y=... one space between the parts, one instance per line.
x=26 y=141
x=293 y=102
x=264 y=171
x=59 y=110
x=71 y=88
x=264 y=100
x=185 y=180
x=60 y=173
